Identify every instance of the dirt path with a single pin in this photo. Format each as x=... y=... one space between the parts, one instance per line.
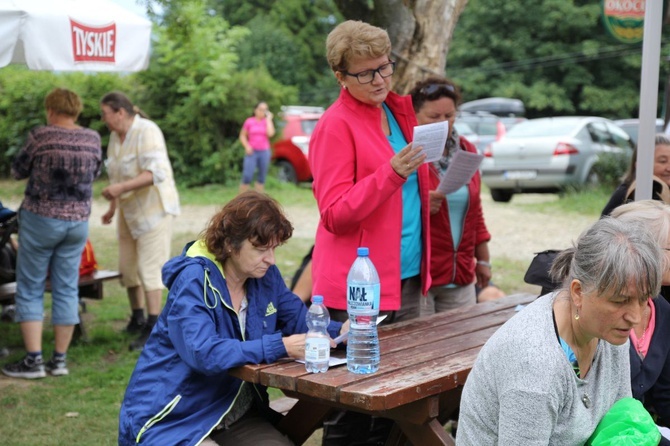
x=517 y=230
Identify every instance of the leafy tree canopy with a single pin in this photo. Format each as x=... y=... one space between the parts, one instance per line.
x=555 y=55
x=197 y=94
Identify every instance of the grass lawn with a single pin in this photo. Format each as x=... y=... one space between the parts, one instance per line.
x=82 y=408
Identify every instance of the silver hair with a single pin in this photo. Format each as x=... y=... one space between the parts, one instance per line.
x=654 y=214
x=609 y=256
x=661 y=139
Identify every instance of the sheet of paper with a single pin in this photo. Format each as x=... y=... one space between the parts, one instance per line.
x=462 y=167
x=333 y=361
x=433 y=138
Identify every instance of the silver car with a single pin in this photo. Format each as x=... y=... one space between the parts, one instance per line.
x=548 y=154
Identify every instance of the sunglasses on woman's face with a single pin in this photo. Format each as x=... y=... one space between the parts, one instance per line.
x=433 y=89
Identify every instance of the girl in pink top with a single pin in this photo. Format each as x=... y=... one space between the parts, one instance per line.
x=255 y=137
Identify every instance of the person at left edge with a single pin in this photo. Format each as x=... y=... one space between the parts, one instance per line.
x=227 y=306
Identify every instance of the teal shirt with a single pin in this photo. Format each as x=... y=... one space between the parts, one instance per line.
x=458 y=206
x=410 y=245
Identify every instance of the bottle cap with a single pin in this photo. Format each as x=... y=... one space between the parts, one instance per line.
x=317 y=299
x=363 y=251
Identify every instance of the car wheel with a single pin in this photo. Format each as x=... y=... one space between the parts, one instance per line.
x=286 y=172
x=592 y=179
x=501 y=195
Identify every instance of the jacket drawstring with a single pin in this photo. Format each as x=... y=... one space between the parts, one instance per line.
x=208 y=283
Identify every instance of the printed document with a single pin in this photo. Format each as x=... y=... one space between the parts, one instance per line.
x=462 y=167
x=433 y=138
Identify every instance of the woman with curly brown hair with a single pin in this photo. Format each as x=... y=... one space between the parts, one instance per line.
x=227 y=306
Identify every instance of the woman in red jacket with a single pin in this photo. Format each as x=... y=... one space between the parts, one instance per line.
x=370 y=184
x=459 y=238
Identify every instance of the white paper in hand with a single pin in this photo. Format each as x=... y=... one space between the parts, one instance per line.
x=433 y=138
x=462 y=167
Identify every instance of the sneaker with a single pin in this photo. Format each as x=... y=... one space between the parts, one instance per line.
x=135 y=326
x=56 y=368
x=25 y=368
x=138 y=344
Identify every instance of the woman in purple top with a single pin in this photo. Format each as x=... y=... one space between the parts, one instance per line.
x=60 y=161
x=255 y=137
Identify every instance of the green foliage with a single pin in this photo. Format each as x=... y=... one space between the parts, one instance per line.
x=22 y=94
x=555 y=55
x=610 y=168
x=288 y=38
x=196 y=94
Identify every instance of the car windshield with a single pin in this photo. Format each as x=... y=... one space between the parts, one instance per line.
x=543 y=127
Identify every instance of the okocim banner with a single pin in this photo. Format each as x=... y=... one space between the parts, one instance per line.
x=624 y=19
x=73 y=35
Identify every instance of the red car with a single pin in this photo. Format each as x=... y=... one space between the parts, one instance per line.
x=289 y=152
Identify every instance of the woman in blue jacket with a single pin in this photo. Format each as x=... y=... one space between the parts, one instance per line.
x=227 y=306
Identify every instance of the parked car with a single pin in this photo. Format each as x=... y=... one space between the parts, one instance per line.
x=289 y=151
x=548 y=154
x=466 y=131
x=487 y=126
x=504 y=107
x=631 y=126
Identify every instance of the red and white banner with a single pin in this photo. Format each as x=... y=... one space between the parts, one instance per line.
x=73 y=35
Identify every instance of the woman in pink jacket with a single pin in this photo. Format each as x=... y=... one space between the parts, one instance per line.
x=371 y=186
x=459 y=238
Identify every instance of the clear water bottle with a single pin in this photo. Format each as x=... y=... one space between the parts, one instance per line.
x=363 y=294
x=317 y=343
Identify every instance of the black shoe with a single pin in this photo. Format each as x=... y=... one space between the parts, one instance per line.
x=138 y=344
x=135 y=326
x=26 y=368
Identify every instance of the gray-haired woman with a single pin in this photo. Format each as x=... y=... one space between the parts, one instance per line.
x=550 y=373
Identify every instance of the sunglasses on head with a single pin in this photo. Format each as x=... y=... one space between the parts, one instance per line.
x=432 y=89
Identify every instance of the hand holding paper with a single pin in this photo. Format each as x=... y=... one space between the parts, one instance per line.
x=433 y=138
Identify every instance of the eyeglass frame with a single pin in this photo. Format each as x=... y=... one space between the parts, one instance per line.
x=435 y=88
x=374 y=72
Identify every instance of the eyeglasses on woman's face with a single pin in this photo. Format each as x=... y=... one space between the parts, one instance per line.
x=367 y=76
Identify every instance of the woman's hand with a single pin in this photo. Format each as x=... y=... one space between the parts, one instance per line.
x=483 y=274
x=407 y=160
x=112 y=191
x=108 y=216
x=345 y=329
x=436 y=199
x=295 y=345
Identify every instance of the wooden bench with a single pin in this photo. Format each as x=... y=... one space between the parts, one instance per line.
x=90 y=286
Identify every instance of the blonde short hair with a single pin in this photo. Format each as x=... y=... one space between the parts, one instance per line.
x=64 y=102
x=352 y=39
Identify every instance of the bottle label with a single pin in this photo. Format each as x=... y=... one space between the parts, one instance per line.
x=317 y=349
x=363 y=298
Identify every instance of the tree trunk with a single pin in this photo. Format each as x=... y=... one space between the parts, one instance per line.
x=420 y=32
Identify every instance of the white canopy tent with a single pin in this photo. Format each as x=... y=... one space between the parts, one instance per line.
x=73 y=35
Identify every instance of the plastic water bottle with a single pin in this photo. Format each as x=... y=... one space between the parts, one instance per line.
x=363 y=293
x=317 y=343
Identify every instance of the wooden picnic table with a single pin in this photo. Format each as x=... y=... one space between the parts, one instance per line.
x=424 y=364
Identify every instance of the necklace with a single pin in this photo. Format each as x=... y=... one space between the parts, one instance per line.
x=640 y=342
